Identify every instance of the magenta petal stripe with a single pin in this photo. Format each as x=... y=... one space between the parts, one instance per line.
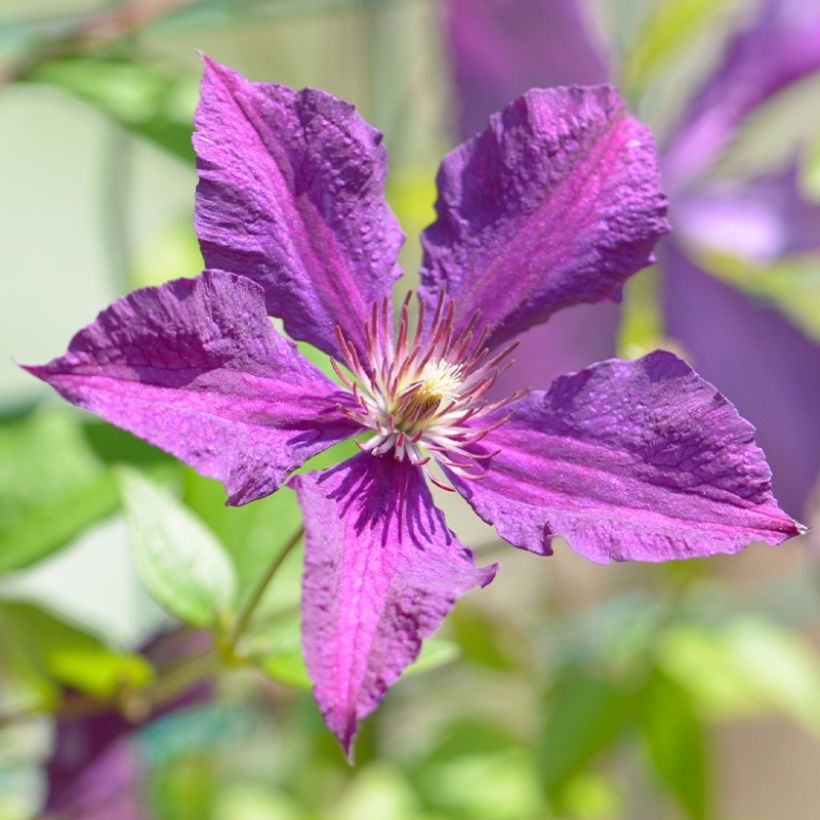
x=291 y=194
x=629 y=460
x=381 y=572
x=196 y=367
x=556 y=203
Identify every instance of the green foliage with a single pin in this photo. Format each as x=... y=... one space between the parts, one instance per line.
x=673 y=735
x=586 y=712
x=252 y=534
x=180 y=561
x=142 y=98
x=38 y=649
x=52 y=486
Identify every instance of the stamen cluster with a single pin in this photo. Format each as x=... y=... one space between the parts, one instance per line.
x=424 y=396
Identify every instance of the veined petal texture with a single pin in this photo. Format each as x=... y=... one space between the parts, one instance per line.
x=629 y=460
x=556 y=203
x=382 y=570
x=291 y=194
x=195 y=367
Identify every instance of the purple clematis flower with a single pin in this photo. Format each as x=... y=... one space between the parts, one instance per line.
x=763 y=362
x=556 y=203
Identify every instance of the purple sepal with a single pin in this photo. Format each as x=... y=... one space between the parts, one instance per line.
x=629 y=460
x=291 y=195
x=381 y=572
x=196 y=368
x=556 y=203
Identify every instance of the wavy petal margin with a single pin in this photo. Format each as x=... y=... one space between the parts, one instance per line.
x=629 y=460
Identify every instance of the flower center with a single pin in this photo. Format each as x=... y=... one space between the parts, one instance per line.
x=426 y=396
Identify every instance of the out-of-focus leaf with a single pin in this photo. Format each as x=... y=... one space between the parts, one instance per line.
x=500 y=785
x=52 y=487
x=591 y=797
x=173 y=254
x=435 y=653
x=252 y=535
x=113 y=445
x=180 y=561
x=52 y=649
x=674 y=740
x=252 y=801
x=482 y=639
x=585 y=714
x=792 y=283
x=748 y=666
x=139 y=96
x=379 y=792
x=641 y=328
x=667 y=29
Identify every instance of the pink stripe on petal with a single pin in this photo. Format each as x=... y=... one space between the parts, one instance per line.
x=196 y=368
x=629 y=460
x=556 y=203
x=382 y=570
x=291 y=194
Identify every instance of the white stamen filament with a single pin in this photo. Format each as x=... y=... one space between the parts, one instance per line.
x=419 y=396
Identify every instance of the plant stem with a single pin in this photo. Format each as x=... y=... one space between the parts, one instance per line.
x=247 y=611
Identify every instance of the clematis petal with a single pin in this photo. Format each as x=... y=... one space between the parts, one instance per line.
x=781 y=46
x=291 y=194
x=629 y=460
x=196 y=367
x=556 y=203
x=500 y=48
x=381 y=572
x=765 y=365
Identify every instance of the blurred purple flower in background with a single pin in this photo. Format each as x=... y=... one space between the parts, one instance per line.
x=556 y=203
x=765 y=364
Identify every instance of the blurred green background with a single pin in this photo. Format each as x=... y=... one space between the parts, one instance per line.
x=563 y=690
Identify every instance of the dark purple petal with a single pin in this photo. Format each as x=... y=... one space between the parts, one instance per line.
x=196 y=367
x=759 y=220
x=381 y=572
x=291 y=194
x=629 y=460
x=781 y=46
x=556 y=203
x=765 y=366
x=501 y=48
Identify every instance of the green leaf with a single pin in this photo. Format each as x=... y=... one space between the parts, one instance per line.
x=180 y=560
x=252 y=534
x=46 y=648
x=674 y=740
x=668 y=29
x=52 y=487
x=142 y=98
x=586 y=713
x=747 y=666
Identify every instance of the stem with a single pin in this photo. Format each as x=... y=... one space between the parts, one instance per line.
x=247 y=611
